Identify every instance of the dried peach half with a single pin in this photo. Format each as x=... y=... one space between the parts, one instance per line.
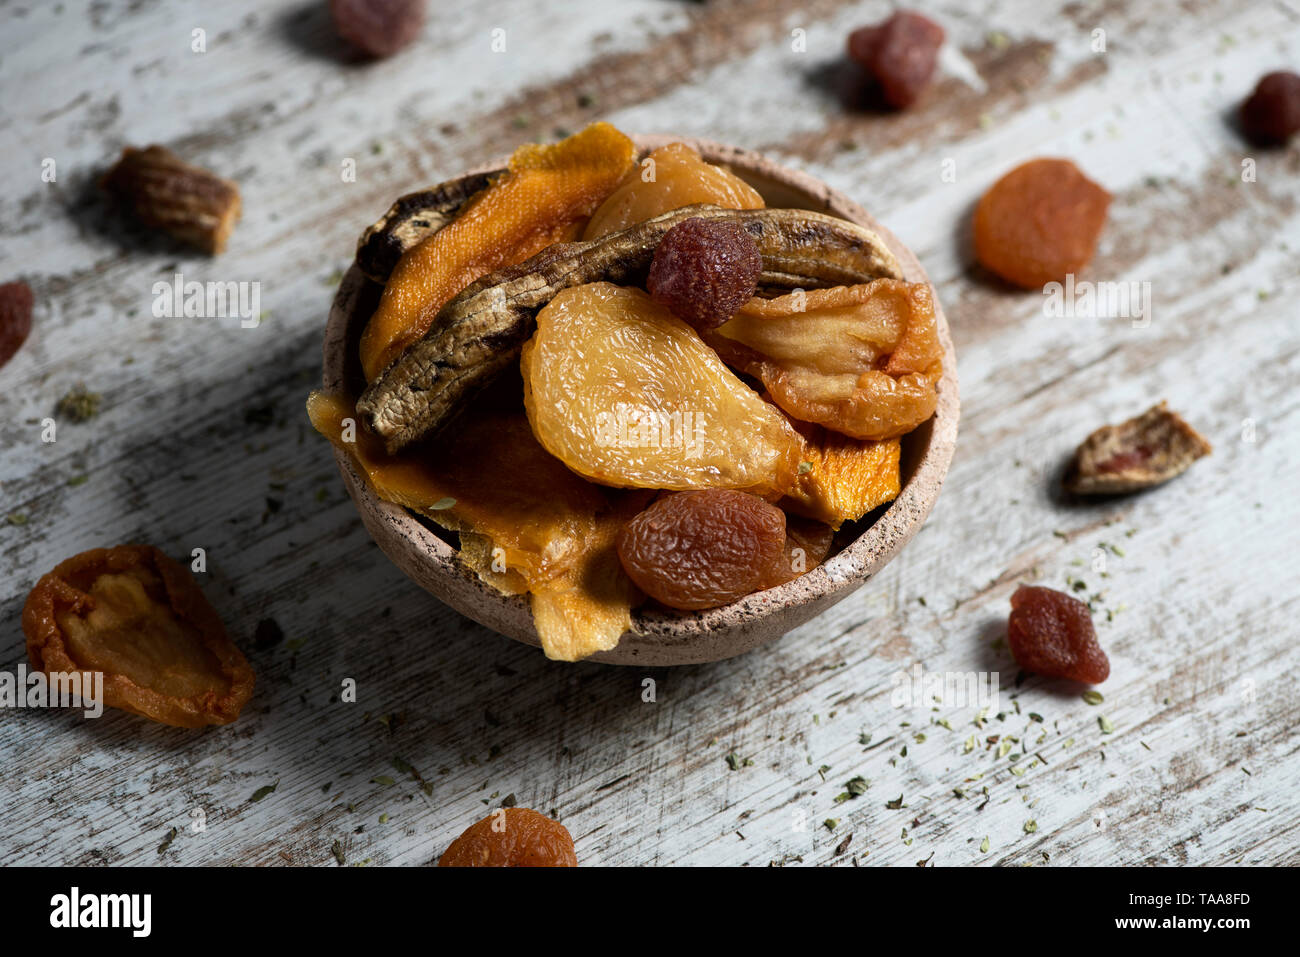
x=626 y=394
x=544 y=197
x=669 y=178
x=512 y=837
x=138 y=617
x=861 y=360
x=842 y=479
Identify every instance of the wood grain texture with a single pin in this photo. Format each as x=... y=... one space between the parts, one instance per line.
x=202 y=442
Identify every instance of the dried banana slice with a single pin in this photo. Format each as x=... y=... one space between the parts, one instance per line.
x=480 y=331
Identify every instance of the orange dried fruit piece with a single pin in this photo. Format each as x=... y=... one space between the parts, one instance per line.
x=1039 y=222
x=842 y=479
x=544 y=197
x=512 y=837
x=625 y=393
x=861 y=360
x=669 y=178
x=527 y=522
x=1144 y=451
x=139 y=618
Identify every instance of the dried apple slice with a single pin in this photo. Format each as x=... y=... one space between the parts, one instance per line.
x=862 y=360
x=1140 y=453
x=626 y=394
x=139 y=618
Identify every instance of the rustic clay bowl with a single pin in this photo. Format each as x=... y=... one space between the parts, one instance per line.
x=665 y=637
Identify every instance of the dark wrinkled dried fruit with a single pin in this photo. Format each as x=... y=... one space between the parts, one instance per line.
x=1137 y=454
x=138 y=617
x=899 y=54
x=378 y=28
x=807 y=543
x=694 y=550
x=164 y=192
x=512 y=837
x=1051 y=634
x=15 y=318
x=704 y=271
x=1039 y=222
x=1271 y=115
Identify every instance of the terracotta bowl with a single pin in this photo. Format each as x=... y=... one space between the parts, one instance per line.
x=665 y=637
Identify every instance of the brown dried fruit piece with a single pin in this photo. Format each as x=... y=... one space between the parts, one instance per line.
x=626 y=394
x=186 y=201
x=1137 y=454
x=704 y=271
x=1039 y=222
x=516 y=507
x=1271 y=115
x=863 y=360
x=695 y=550
x=512 y=837
x=1051 y=634
x=544 y=197
x=899 y=54
x=842 y=479
x=669 y=178
x=378 y=28
x=138 y=617
x=16 y=303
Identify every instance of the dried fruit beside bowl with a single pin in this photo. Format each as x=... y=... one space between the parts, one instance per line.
x=512 y=837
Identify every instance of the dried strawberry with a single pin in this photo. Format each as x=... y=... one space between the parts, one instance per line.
x=704 y=271
x=1272 y=113
x=899 y=54
x=1051 y=634
x=15 y=318
x=378 y=28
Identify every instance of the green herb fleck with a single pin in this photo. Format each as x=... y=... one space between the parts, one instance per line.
x=1093 y=697
x=263 y=792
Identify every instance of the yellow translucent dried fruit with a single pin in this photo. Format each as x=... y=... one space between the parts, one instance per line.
x=842 y=479
x=544 y=197
x=862 y=360
x=526 y=521
x=669 y=178
x=626 y=394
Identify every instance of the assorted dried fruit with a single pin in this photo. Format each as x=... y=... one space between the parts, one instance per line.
x=1271 y=115
x=862 y=360
x=704 y=270
x=378 y=28
x=671 y=177
x=544 y=197
x=164 y=192
x=842 y=479
x=16 y=303
x=139 y=618
x=512 y=837
x=1051 y=634
x=1039 y=223
x=899 y=55
x=1144 y=451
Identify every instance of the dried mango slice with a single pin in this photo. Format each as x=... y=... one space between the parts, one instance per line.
x=527 y=522
x=544 y=197
x=841 y=479
x=139 y=618
x=862 y=360
x=625 y=393
x=669 y=178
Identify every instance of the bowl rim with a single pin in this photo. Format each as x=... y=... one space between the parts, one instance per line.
x=852 y=566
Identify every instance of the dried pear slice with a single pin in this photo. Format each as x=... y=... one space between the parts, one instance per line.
x=480 y=331
x=623 y=392
x=1144 y=451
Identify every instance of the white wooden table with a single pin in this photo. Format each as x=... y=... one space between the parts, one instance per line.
x=202 y=442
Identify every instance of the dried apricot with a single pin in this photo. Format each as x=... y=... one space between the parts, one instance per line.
x=543 y=198
x=625 y=393
x=1039 y=222
x=138 y=617
x=807 y=543
x=1051 y=634
x=704 y=270
x=694 y=550
x=1142 y=452
x=16 y=302
x=842 y=479
x=669 y=178
x=378 y=28
x=512 y=837
x=862 y=360
x=1271 y=115
x=899 y=54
